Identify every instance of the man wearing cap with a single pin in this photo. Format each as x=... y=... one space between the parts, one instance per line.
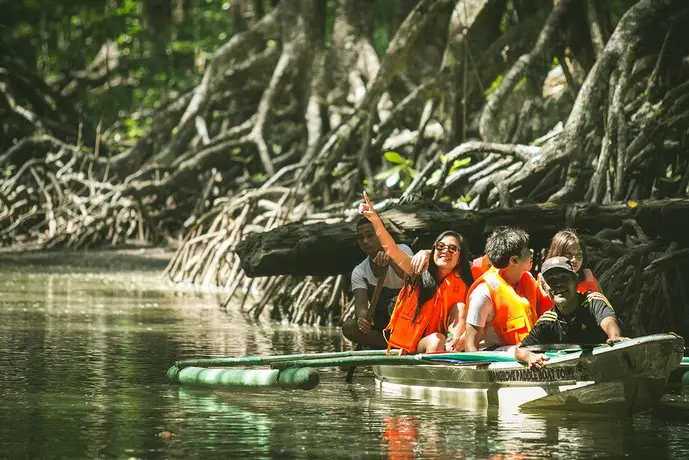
x=575 y=318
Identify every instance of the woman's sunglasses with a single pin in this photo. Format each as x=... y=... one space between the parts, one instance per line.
x=450 y=248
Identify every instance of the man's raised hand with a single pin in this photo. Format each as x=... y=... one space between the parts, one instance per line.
x=381 y=259
x=366 y=209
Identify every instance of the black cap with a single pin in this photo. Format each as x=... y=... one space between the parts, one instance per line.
x=560 y=262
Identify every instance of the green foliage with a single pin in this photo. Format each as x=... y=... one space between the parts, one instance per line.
x=460 y=163
x=156 y=53
x=456 y=166
x=382 y=12
x=509 y=16
x=493 y=86
x=520 y=84
x=394 y=158
x=399 y=175
x=136 y=126
x=8 y=171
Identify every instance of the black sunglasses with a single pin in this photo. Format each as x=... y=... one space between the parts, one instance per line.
x=450 y=248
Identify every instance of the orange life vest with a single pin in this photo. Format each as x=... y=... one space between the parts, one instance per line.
x=515 y=310
x=405 y=331
x=589 y=284
x=479 y=266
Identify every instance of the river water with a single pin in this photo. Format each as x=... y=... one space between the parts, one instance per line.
x=84 y=350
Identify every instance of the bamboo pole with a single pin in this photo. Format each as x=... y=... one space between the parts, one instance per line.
x=484 y=357
x=267 y=360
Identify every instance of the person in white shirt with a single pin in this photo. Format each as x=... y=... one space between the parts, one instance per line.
x=364 y=278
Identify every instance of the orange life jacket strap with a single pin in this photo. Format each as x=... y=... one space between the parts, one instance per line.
x=590 y=283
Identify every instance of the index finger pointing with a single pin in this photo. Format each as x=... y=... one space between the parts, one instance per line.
x=367 y=199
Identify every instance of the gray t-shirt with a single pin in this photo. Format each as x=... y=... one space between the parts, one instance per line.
x=363 y=276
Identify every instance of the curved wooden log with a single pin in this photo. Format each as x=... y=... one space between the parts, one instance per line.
x=322 y=248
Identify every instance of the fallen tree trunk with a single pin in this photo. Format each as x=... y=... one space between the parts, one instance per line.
x=322 y=248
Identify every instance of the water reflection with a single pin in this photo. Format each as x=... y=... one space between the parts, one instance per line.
x=82 y=375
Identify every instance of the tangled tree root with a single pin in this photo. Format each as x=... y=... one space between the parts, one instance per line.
x=59 y=202
x=645 y=281
x=264 y=111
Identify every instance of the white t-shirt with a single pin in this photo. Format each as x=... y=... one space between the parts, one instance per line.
x=363 y=276
x=480 y=313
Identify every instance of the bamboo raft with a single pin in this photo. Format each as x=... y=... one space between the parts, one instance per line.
x=626 y=378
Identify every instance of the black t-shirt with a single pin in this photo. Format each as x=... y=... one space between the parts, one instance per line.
x=582 y=326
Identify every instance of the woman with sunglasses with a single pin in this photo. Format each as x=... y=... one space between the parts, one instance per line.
x=430 y=306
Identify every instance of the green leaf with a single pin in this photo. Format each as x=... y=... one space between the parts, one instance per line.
x=459 y=164
x=384 y=174
x=493 y=86
x=394 y=157
x=520 y=84
x=435 y=178
x=8 y=171
x=393 y=179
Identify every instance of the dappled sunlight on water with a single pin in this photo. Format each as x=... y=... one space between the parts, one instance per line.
x=83 y=375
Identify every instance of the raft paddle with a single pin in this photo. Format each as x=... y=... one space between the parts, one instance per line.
x=369 y=316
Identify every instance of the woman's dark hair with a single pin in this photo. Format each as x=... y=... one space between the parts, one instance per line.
x=427 y=283
x=560 y=244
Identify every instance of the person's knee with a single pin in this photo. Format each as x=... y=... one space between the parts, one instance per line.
x=436 y=341
x=432 y=342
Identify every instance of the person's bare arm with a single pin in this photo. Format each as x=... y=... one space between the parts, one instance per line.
x=478 y=310
x=399 y=257
x=361 y=310
x=398 y=271
x=474 y=334
x=612 y=329
x=536 y=360
x=457 y=326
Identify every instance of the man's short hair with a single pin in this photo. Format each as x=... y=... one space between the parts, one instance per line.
x=362 y=221
x=504 y=243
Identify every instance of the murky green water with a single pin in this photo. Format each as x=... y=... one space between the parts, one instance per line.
x=83 y=358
